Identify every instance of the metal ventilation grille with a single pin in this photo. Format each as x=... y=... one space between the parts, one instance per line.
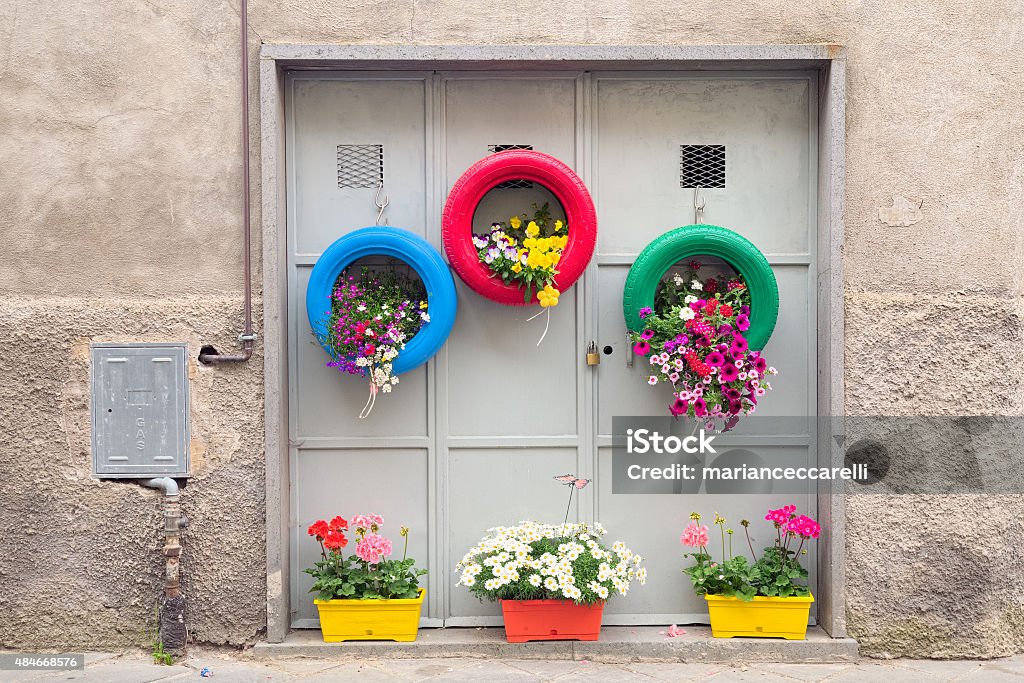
x=360 y=165
x=511 y=184
x=702 y=166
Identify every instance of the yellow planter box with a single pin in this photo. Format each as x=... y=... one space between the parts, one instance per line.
x=370 y=619
x=761 y=618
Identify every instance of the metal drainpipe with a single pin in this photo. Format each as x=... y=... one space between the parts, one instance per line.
x=209 y=354
x=172 y=609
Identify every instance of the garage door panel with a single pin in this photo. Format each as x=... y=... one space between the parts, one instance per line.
x=331 y=112
x=621 y=388
x=329 y=402
x=480 y=113
x=500 y=381
x=500 y=487
x=651 y=524
x=763 y=125
x=348 y=482
x=790 y=347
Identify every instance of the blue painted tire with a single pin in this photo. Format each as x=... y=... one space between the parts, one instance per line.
x=403 y=245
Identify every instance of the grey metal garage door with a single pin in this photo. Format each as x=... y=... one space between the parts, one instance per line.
x=464 y=443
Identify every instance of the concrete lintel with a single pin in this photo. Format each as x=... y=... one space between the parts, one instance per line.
x=553 y=56
x=618 y=644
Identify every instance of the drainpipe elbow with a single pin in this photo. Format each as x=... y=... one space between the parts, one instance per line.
x=165 y=484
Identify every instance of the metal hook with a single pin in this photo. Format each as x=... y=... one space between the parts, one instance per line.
x=378 y=203
x=698 y=209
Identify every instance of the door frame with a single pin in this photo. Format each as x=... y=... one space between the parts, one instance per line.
x=828 y=60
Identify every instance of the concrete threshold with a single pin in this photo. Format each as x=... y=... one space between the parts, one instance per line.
x=618 y=645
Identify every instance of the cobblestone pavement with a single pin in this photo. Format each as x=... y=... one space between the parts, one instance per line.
x=233 y=667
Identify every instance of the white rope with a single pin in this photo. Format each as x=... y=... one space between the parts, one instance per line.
x=368 y=408
x=546 y=324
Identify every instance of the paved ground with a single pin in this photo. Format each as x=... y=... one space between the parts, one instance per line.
x=228 y=667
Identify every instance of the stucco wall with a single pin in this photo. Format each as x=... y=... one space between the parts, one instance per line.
x=120 y=221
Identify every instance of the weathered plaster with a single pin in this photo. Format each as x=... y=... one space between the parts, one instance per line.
x=80 y=551
x=934 y=575
x=121 y=181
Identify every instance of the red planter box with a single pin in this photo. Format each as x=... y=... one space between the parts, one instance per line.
x=551 y=620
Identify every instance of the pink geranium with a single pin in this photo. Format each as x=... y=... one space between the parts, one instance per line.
x=694 y=536
x=367 y=521
x=781 y=516
x=372 y=547
x=803 y=526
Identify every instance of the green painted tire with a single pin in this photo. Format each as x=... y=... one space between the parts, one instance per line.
x=700 y=240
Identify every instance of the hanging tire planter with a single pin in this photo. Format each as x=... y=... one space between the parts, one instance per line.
x=483 y=176
x=399 y=244
x=711 y=240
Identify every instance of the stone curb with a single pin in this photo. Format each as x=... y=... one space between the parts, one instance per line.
x=618 y=644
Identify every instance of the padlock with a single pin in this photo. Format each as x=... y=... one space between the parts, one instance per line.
x=593 y=357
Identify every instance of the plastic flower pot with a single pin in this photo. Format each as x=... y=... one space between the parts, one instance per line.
x=760 y=618
x=342 y=620
x=527 y=620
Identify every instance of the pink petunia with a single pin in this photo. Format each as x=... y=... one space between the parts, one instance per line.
x=700 y=408
x=679 y=407
x=715 y=359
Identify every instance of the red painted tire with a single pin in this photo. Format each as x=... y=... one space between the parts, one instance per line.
x=481 y=177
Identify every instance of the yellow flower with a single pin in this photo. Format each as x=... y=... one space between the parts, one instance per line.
x=558 y=226
x=534 y=259
x=517 y=268
x=562 y=241
x=511 y=240
x=531 y=229
x=423 y=305
x=529 y=243
x=554 y=258
x=515 y=222
x=548 y=296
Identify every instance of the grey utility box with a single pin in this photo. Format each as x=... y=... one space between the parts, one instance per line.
x=140 y=424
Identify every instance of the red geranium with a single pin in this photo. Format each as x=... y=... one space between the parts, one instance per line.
x=338 y=524
x=319 y=529
x=335 y=540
